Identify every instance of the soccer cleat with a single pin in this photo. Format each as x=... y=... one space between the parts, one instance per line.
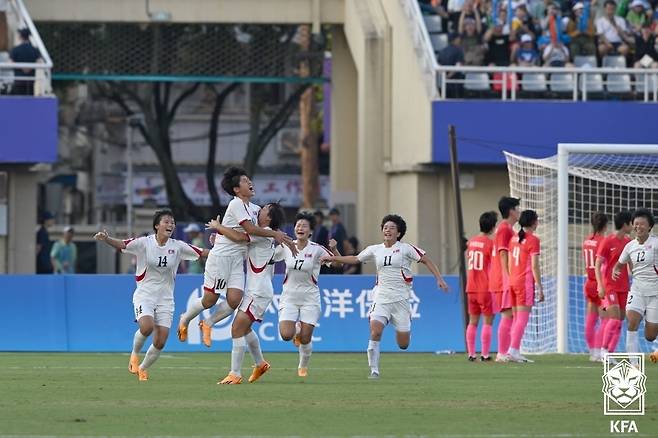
x=472 y=358
x=142 y=375
x=258 y=371
x=374 y=375
x=182 y=331
x=133 y=365
x=502 y=358
x=302 y=372
x=231 y=379
x=653 y=357
x=519 y=358
x=595 y=358
x=485 y=358
x=206 y=332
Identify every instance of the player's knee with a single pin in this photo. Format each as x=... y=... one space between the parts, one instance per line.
x=375 y=335
x=233 y=301
x=305 y=338
x=209 y=299
x=159 y=343
x=650 y=337
x=287 y=335
x=403 y=345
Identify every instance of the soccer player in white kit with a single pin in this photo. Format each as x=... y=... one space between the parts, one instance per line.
x=642 y=254
x=392 y=291
x=224 y=271
x=158 y=257
x=261 y=256
x=300 y=298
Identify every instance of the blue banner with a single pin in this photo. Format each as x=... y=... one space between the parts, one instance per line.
x=29 y=129
x=94 y=313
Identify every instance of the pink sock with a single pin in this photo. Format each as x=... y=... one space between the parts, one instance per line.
x=590 y=329
x=598 y=338
x=471 y=331
x=504 y=333
x=485 y=339
x=521 y=318
x=614 y=327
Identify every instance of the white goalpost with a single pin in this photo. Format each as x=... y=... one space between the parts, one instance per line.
x=565 y=190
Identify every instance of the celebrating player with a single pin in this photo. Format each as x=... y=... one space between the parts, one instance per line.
x=258 y=293
x=478 y=253
x=392 y=291
x=300 y=298
x=613 y=291
x=641 y=254
x=595 y=307
x=525 y=277
x=224 y=271
x=158 y=257
x=499 y=277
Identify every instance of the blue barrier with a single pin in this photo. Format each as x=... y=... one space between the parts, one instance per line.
x=29 y=129
x=94 y=313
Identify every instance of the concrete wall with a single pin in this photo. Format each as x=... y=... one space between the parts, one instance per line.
x=20 y=248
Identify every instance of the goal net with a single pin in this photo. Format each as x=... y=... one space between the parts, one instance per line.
x=603 y=178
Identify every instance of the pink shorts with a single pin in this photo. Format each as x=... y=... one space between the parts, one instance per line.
x=502 y=300
x=523 y=296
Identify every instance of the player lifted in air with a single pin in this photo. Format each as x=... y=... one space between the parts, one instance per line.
x=158 y=257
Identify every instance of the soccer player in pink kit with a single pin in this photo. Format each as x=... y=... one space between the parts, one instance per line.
x=498 y=276
x=392 y=291
x=224 y=271
x=158 y=257
x=478 y=254
x=525 y=277
x=300 y=298
x=595 y=305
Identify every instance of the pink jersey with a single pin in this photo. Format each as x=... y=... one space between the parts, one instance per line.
x=498 y=278
x=590 y=249
x=478 y=253
x=521 y=259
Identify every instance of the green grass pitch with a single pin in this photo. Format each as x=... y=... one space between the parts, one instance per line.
x=60 y=394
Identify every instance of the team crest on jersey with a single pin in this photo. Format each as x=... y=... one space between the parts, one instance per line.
x=396 y=251
x=308 y=256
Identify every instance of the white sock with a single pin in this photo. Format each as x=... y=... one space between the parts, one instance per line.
x=151 y=356
x=195 y=308
x=223 y=310
x=254 y=347
x=237 y=355
x=373 y=355
x=632 y=342
x=513 y=352
x=138 y=342
x=305 y=351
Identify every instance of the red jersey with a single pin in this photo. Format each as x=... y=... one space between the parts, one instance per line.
x=590 y=250
x=610 y=250
x=521 y=259
x=504 y=232
x=478 y=253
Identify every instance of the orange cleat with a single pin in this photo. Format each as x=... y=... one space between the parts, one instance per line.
x=206 y=331
x=182 y=332
x=302 y=372
x=142 y=375
x=231 y=379
x=653 y=357
x=258 y=371
x=133 y=365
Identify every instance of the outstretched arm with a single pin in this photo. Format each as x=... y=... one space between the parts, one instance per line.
x=348 y=260
x=279 y=236
x=230 y=233
x=435 y=271
x=102 y=236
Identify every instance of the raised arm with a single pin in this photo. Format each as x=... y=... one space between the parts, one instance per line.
x=102 y=236
x=435 y=271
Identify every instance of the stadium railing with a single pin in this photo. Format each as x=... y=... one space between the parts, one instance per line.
x=578 y=84
x=20 y=18
x=422 y=44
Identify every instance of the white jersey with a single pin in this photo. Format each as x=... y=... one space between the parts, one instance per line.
x=300 y=285
x=236 y=214
x=260 y=266
x=643 y=258
x=157 y=265
x=394 y=276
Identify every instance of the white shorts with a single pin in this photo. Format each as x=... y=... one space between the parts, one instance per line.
x=255 y=307
x=645 y=306
x=162 y=313
x=308 y=313
x=223 y=273
x=397 y=313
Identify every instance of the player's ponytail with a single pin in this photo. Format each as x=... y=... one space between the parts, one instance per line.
x=528 y=218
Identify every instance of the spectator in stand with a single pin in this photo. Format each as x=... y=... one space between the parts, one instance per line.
x=498 y=52
x=637 y=15
x=646 y=55
x=44 y=265
x=195 y=238
x=64 y=254
x=352 y=248
x=337 y=231
x=24 y=52
x=556 y=54
x=552 y=26
x=537 y=11
x=581 y=30
x=454 y=11
x=320 y=232
x=470 y=30
x=522 y=23
x=613 y=32
x=4 y=40
x=525 y=54
x=453 y=55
